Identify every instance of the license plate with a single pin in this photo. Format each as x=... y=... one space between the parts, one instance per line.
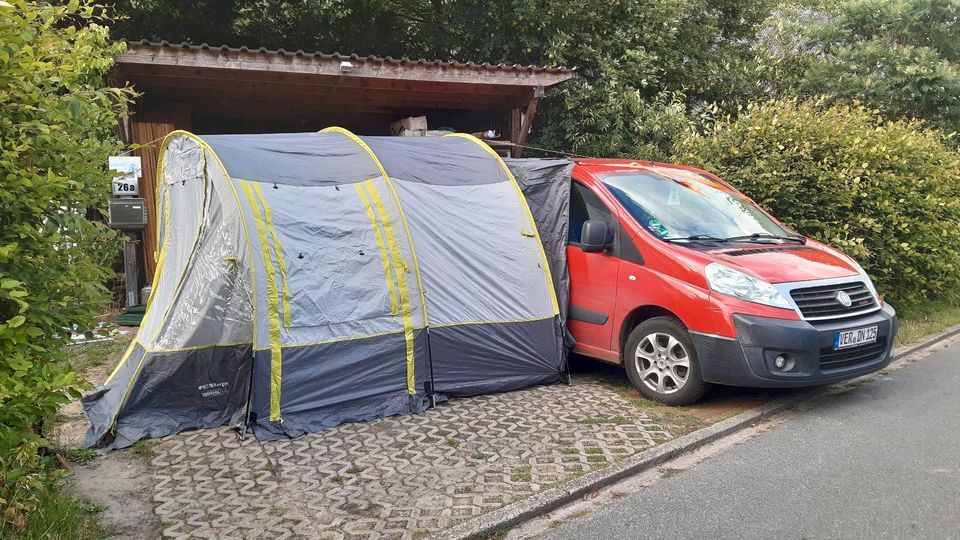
x=851 y=338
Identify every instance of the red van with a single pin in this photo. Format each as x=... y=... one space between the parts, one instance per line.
x=686 y=282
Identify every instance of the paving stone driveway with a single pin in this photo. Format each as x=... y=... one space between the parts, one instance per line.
x=399 y=477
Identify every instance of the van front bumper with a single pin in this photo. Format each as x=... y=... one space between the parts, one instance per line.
x=748 y=359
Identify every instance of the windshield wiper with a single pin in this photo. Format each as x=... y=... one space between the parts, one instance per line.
x=696 y=238
x=766 y=236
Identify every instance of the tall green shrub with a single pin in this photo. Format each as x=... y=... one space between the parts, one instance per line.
x=57 y=126
x=887 y=193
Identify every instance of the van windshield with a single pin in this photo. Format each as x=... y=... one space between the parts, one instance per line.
x=686 y=206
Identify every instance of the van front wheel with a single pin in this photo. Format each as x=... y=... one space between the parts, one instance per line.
x=662 y=363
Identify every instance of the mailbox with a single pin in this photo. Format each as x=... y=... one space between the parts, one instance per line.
x=127 y=214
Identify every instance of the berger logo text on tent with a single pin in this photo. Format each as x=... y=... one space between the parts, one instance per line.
x=305 y=280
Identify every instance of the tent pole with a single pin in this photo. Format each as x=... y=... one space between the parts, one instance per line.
x=433 y=393
x=246 y=409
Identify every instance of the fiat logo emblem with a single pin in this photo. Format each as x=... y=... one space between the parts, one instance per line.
x=844 y=299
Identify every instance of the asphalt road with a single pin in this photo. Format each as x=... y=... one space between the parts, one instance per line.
x=880 y=461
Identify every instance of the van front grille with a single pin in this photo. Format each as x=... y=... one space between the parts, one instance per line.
x=831 y=359
x=823 y=302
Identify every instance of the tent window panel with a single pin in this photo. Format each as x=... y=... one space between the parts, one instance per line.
x=477 y=257
x=334 y=267
x=215 y=302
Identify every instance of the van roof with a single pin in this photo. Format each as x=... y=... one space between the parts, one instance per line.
x=597 y=165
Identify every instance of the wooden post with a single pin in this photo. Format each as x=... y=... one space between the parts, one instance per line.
x=515 y=121
x=131 y=274
x=527 y=122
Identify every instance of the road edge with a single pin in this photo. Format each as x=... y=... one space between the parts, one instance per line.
x=552 y=498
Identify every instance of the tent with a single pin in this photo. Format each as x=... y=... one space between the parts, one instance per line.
x=310 y=279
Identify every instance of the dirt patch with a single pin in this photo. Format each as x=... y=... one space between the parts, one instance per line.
x=93 y=362
x=724 y=402
x=121 y=483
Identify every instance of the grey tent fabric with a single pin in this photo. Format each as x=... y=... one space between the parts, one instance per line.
x=546 y=186
x=310 y=279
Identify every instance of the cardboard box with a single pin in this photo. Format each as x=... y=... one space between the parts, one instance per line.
x=412 y=126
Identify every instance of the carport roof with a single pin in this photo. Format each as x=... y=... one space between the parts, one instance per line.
x=204 y=55
x=219 y=81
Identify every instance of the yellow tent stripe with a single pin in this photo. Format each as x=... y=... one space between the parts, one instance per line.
x=523 y=202
x=161 y=258
x=274 y=311
x=380 y=246
x=193 y=247
x=278 y=249
x=400 y=271
x=396 y=200
x=161 y=262
x=126 y=391
x=153 y=290
x=123 y=361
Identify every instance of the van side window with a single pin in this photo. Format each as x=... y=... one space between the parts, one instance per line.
x=584 y=205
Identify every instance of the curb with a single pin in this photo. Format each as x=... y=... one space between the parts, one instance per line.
x=552 y=498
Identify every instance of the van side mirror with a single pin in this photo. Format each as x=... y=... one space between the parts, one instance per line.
x=594 y=236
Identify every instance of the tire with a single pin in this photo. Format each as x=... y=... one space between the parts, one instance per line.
x=662 y=363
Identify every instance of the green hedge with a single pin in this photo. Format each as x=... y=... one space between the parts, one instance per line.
x=57 y=126
x=887 y=193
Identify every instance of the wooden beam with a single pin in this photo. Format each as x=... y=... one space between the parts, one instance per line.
x=318 y=94
x=237 y=108
x=345 y=104
x=363 y=68
x=528 y=119
x=185 y=75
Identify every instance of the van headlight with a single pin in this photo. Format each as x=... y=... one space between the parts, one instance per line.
x=726 y=280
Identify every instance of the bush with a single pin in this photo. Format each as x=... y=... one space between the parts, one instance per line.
x=57 y=126
x=887 y=193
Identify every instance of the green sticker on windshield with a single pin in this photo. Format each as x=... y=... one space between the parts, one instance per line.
x=655 y=226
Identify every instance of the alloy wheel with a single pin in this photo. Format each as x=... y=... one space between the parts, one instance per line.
x=662 y=362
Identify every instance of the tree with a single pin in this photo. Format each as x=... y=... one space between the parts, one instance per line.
x=57 y=125
x=630 y=56
x=899 y=55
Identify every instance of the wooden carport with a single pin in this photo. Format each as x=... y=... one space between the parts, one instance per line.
x=211 y=90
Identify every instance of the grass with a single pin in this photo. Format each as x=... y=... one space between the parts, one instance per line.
x=673 y=419
x=616 y=421
x=929 y=319
x=144 y=449
x=59 y=516
x=453 y=442
x=82 y=456
x=86 y=356
x=521 y=474
x=480 y=455
x=355 y=470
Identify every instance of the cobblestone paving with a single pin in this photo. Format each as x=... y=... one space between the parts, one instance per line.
x=398 y=477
